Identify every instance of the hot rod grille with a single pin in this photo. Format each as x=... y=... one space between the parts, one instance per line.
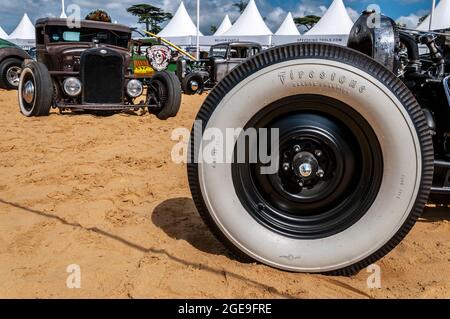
x=102 y=76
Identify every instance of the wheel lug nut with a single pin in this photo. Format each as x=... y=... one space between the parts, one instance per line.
x=286 y=166
x=301 y=184
x=297 y=148
x=318 y=153
x=320 y=173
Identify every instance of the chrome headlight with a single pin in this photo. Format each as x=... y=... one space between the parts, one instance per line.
x=134 y=88
x=72 y=86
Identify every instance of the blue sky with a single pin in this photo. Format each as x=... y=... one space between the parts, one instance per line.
x=406 y=11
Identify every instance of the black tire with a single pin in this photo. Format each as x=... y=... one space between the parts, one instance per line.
x=10 y=73
x=186 y=84
x=39 y=103
x=167 y=87
x=310 y=72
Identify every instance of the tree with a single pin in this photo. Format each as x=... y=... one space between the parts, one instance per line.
x=308 y=21
x=213 y=29
x=241 y=5
x=150 y=15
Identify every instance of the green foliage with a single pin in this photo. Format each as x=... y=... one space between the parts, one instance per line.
x=241 y=5
x=150 y=15
x=307 y=21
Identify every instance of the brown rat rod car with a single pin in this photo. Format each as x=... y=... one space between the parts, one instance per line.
x=88 y=68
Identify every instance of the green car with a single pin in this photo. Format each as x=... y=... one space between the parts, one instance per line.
x=149 y=56
x=11 y=59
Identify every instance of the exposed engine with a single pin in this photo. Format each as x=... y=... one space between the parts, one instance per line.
x=421 y=61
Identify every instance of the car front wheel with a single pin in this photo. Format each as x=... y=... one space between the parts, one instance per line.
x=35 y=90
x=355 y=160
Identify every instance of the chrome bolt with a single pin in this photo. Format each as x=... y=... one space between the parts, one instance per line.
x=297 y=148
x=320 y=173
x=286 y=166
x=318 y=153
x=301 y=184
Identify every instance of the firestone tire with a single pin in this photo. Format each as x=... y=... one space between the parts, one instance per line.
x=35 y=90
x=10 y=73
x=325 y=86
x=169 y=84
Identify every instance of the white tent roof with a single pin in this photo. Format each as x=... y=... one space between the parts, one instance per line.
x=24 y=31
x=288 y=26
x=181 y=25
x=250 y=23
x=224 y=26
x=441 y=18
x=3 y=34
x=335 y=21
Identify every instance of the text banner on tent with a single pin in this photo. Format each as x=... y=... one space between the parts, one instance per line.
x=334 y=39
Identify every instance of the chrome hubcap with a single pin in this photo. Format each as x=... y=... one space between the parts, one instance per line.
x=28 y=92
x=305 y=170
x=13 y=75
x=194 y=86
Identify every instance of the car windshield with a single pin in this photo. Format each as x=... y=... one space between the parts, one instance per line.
x=58 y=34
x=238 y=52
x=218 y=51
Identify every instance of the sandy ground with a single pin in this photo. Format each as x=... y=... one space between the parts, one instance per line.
x=103 y=193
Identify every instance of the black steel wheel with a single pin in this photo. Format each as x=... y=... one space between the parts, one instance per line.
x=10 y=73
x=331 y=168
x=193 y=84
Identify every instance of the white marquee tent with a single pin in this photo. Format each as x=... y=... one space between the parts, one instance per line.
x=24 y=30
x=181 y=25
x=335 y=21
x=3 y=34
x=288 y=27
x=224 y=26
x=250 y=23
x=441 y=18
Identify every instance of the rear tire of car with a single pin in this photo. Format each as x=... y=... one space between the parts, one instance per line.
x=311 y=91
x=169 y=94
x=35 y=90
x=186 y=85
x=10 y=73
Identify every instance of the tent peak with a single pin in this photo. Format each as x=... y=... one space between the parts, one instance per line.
x=335 y=21
x=224 y=26
x=24 y=30
x=288 y=26
x=181 y=24
x=250 y=23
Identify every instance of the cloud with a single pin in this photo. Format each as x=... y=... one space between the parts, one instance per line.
x=354 y=15
x=212 y=11
x=410 y=21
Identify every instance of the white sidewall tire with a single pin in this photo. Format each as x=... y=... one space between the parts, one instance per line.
x=399 y=143
x=23 y=110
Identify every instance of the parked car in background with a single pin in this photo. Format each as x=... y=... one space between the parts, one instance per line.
x=204 y=74
x=11 y=59
x=88 y=68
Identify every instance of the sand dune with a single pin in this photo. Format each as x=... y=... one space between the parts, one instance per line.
x=103 y=193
